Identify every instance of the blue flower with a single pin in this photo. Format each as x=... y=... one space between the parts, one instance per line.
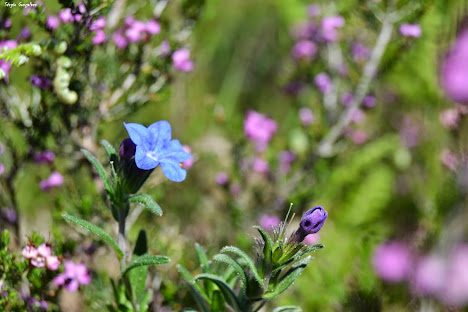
x=154 y=147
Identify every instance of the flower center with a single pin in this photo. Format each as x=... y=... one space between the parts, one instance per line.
x=152 y=155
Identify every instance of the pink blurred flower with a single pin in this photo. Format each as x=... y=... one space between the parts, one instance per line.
x=268 y=221
x=119 y=40
x=347 y=98
x=369 y=101
x=44 y=250
x=2 y=169
x=99 y=37
x=152 y=27
x=259 y=129
x=312 y=239
x=52 y=22
x=98 y=24
x=359 y=137
x=222 y=178
x=313 y=10
x=410 y=30
x=357 y=116
x=329 y=26
x=73 y=276
x=78 y=17
x=429 y=276
x=260 y=165
x=449 y=159
x=189 y=162
x=392 y=261
x=449 y=118
x=181 y=60
x=164 y=48
x=456 y=290
x=304 y=49
x=29 y=252
x=55 y=179
x=66 y=15
x=286 y=158
x=306 y=116
x=135 y=31
x=53 y=263
x=323 y=82
x=360 y=52
x=6 y=65
x=454 y=73
x=82 y=8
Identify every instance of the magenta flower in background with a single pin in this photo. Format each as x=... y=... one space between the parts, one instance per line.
x=235 y=189
x=369 y=101
x=164 y=48
x=5 y=66
x=359 y=137
x=181 y=60
x=347 y=98
x=449 y=118
x=135 y=31
x=429 y=276
x=313 y=10
x=456 y=286
x=410 y=30
x=454 y=71
x=41 y=82
x=357 y=116
x=52 y=22
x=304 y=49
x=449 y=159
x=329 y=27
x=152 y=27
x=6 y=23
x=304 y=31
x=99 y=37
x=55 y=179
x=82 y=8
x=392 y=261
x=260 y=165
x=222 y=178
x=24 y=34
x=259 y=129
x=44 y=157
x=119 y=40
x=98 y=24
x=73 y=276
x=269 y=221
x=66 y=15
x=2 y=169
x=306 y=116
x=360 y=52
x=323 y=82
x=29 y=252
x=312 y=239
x=189 y=162
x=286 y=158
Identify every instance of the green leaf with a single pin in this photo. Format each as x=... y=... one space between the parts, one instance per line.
x=146 y=260
x=145 y=301
x=110 y=150
x=247 y=260
x=288 y=278
x=100 y=170
x=205 y=264
x=188 y=277
x=298 y=255
x=96 y=231
x=231 y=262
x=217 y=302
x=148 y=202
x=287 y=309
x=228 y=293
x=267 y=248
x=138 y=275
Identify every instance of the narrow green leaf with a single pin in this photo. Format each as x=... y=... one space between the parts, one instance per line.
x=146 y=260
x=267 y=249
x=145 y=301
x=188 y=277
x=217 y=302
x=100 y=170
x=110 y=150
x=231 y=262
x=287 y=309
x=199 y=299
x=247 y=260
x=288 y=278
x=205 y=264
x=96 y=231
x=228 y=293
x=298 y=255
x=148 y=202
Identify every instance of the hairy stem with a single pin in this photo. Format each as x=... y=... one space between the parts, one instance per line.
x=325 y=147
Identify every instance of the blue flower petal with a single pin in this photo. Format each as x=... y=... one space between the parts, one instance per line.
x=143 y=161
x=173 y=171
x=174 y=152
x=139 y=134
x=160 y=132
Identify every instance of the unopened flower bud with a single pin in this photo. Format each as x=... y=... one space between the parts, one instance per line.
x=311 y=222
x=134 y=177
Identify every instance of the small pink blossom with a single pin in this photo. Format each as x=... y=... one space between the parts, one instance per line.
x=392 y=261
x=410 y=30
x=99 y=37
x=449 y=159
x=44 y=250
x=73 y=276
x=269 y=221
x=189 y=162
x=44 y=157
x=66 y=15
x=357 y=116
x=2 y=169
x=449 y=118
x=430 y=275
x=98 y=24
x=29 y=252
x=329 y=26
x=53 y=263
x=323 y=82
x=181 y=60
x=55 y=179
x=260 y=165
x=119 y=40
x=304 y=49
x=456 y=286
x=52 y=22
x=454 y=71
x=164 y=48
x=359 y=137
x=307 y=116
x=222 y=178
x=259 y=129
x=312 y=239
x=152 y=27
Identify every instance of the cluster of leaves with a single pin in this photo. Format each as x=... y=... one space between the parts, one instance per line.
x=246 y=285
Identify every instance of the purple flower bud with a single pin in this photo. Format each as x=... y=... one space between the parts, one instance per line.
x=40 y=81
x=311 y=222
x=222 y=178
x=25 y=33
x=127 y=150
x=449 y=118
x=359 y=52
x=82 y=8
x=44 y=157
x=347 y=98
x=392 y=261
x=55 y=179
x=369 y=101
x=410 y=30
x=9 y=214
x=455 y=291
x=5 y=23
x=134 y=177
